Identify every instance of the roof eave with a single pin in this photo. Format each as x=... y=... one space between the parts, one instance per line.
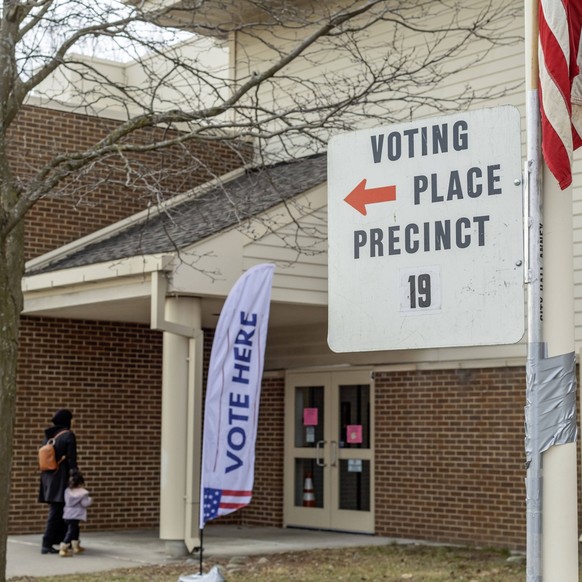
x=99 y=272
x=216 y=18
x=46 y=259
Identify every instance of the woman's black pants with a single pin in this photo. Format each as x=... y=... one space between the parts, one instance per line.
x=56 y=527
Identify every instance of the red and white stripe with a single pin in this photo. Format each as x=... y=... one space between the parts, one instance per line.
x=560 y=22
x=231 y=500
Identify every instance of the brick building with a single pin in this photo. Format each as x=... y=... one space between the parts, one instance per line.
x=111 y=319
x=444 y=455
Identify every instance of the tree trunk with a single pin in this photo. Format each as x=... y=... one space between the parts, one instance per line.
x=11 y=271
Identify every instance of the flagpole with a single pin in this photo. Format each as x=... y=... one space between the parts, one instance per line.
x=551 y=482
x=201 y=548
x=534 y=298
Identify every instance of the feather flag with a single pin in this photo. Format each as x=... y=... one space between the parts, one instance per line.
x=232 y=396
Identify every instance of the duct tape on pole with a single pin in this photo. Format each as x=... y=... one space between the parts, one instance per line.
x=426 y=234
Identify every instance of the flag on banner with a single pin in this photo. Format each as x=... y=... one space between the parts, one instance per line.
x=232 y=396
x=560 y=22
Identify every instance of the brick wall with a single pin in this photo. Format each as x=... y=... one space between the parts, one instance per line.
x=450 y=456
x=448 y=451
x=109 y=375
x=105 y=192
x=266 y=508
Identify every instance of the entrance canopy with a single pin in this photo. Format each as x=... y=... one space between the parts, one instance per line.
x=200 y=242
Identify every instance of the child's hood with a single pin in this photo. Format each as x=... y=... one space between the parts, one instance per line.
x=78 y=496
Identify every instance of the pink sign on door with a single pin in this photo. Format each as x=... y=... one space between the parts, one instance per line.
x=354 y=434
x=310 y=416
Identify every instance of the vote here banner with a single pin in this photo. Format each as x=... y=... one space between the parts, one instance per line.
x=232 y=397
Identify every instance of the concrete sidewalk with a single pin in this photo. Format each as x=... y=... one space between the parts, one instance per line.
x=128 y=549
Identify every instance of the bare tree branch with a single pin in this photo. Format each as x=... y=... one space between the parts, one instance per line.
x=403 y=71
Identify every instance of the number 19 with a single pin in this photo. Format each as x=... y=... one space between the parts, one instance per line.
x=420 y=291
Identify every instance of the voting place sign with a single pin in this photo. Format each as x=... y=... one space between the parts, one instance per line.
x=426 y=234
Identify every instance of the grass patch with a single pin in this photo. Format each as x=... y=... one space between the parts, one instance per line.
x=393 y=563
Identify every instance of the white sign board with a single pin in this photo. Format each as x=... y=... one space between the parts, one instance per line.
x=426 y=234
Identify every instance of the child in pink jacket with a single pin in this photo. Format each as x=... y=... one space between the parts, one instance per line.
x=76 y=502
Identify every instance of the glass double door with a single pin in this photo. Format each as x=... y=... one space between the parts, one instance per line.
x=329 y=464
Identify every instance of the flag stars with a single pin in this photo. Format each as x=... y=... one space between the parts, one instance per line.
x=211 y=503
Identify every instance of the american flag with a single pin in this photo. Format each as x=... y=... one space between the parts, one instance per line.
x=560 y=22
x=223 y=501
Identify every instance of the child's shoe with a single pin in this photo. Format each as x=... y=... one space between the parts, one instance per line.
x=77 y=549
x=65 y=550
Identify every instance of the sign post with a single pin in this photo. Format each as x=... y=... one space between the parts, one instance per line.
x=426 y=234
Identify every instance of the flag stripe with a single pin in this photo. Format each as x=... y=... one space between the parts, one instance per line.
x=576 y=19
x=556 y=24
x=232 y=493
x=559 y=40
x=232 y=506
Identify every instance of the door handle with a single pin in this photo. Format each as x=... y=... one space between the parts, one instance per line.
x=334 y=453
x=319 y=457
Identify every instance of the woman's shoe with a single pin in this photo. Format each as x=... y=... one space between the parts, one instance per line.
x=48 y=550
x=77 y=548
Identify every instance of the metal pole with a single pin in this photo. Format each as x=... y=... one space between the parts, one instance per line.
x=551 y=482
x=535 y=346
x=201 y=550
x=535 y=351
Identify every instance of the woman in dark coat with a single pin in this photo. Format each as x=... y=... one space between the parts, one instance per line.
x=54 y=483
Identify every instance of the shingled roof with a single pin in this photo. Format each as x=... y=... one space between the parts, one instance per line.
x=198 y=217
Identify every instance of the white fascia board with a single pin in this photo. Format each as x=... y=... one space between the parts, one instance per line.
x=42 y=101
x=446 y=358
x=134 y=266
x=75 y=296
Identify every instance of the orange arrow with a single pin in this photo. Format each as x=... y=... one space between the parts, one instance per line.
x=360 y=196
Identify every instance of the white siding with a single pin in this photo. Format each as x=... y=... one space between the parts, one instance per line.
x=298 y=246
x=471 y=69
